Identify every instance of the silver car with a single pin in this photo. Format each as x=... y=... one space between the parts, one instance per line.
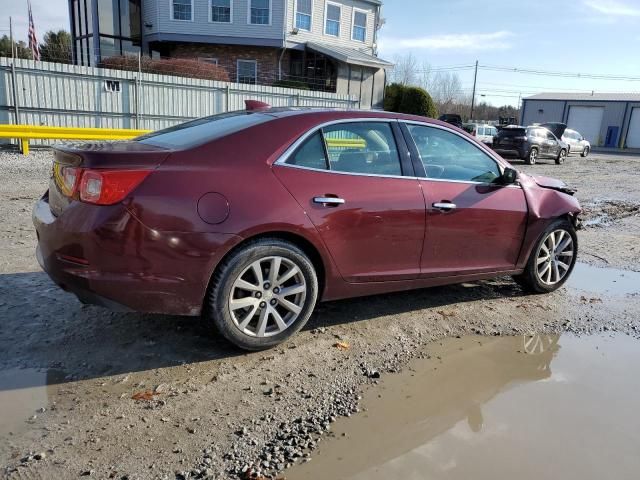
x=577 y=143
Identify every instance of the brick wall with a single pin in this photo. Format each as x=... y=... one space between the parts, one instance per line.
x=228 y=55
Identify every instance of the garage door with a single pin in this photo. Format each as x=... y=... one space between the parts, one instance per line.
x=633 y=137
x=587 y=121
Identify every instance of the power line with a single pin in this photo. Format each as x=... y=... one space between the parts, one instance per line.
x=548 y=73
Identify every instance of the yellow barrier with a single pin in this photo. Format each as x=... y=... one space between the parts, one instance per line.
x=33 y=132
x=346 y=143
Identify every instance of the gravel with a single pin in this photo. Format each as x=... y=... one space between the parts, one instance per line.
x=208 y=410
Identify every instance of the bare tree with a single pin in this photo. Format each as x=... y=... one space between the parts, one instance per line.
x=447 y=89
x=405 y=71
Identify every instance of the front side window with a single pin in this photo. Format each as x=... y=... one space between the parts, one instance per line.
x=182 y=9
x=303 y=14
x=332 y=20
x=260 y=12
x=221 y=11
x=359 y=32
x=247 y=71
x=447 y=156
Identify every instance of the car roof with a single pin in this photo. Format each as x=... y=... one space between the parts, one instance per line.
x=329 y=114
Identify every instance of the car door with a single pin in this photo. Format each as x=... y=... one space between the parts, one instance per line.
x=362 y=196
x=474 y=223
x=552 y=144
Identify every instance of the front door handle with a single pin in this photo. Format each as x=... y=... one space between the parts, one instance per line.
x=446 y=206
x=329 y=201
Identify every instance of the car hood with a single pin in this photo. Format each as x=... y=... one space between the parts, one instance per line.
x=556 y=128
x=553 y=184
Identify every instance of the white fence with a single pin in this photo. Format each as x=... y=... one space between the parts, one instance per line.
x=56 y=94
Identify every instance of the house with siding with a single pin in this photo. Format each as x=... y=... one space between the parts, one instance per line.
x=319 y=44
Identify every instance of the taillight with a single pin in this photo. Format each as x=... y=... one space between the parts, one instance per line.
x=521 y=139
x=70 y=177
x=106 y=187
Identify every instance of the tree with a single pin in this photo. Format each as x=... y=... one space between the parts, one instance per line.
x=416 y=101
x=392 y=97
x=405 y=71
x=56 y=47
x=447 y=90
x=22 y=50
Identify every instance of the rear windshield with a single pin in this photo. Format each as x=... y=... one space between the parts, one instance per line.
x=512 y=132
x=203 y=130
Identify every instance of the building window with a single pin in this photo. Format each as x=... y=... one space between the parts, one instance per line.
x=332 y=19
x=248 y=71
x=359 y=31
x=260 y=12
x=220 y=11
x=182 y=10
x=303 y=14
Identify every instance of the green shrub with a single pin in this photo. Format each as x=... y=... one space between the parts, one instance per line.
x=416 y=101
x=392 y=97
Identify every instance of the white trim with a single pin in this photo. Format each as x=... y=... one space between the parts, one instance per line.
x=260 y=24
x=247 y=60
x=179 y=19
x=324 y=24
x=295 y=16
x=353 y=23
x=230 y=22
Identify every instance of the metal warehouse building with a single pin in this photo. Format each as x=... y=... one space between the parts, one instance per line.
x=610 y=120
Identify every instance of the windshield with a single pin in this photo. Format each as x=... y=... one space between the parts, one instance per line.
x=203 y=130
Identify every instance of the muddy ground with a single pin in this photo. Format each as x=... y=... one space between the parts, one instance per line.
x=203 y=409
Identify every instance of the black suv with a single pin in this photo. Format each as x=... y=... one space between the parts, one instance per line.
x=452 y=118
x=529 y=144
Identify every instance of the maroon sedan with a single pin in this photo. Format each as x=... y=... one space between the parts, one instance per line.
x=249 y=218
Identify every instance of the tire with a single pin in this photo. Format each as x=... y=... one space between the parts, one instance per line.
x=531 y=280
x=585 y=152
x=259 y=302
x=562 y=156
x=532 y=158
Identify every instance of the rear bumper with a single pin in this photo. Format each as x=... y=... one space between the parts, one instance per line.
x=106 y=256
x=511 y=151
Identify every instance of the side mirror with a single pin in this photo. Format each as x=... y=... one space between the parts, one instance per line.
x=509 y=176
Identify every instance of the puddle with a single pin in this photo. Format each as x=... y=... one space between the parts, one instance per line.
x=609 y=281
x=22 y=393
x=485 y=409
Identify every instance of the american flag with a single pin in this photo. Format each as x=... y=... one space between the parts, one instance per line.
x=33 y=41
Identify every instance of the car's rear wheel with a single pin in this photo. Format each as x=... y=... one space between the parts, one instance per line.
x=552 y=259
x=562 y=156
x=585 y=152
x=262 y=294
x=532 y=158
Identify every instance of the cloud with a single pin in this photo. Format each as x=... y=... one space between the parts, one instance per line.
x=613 y=8
x=461 y=41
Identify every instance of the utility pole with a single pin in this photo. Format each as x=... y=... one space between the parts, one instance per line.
x=473 y=97
x=11 y=38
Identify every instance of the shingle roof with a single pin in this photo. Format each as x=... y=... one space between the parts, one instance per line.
x=349 y=55
x=601 y=97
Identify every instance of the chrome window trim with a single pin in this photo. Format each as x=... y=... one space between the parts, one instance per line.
x=491 y=155
x=282 y=159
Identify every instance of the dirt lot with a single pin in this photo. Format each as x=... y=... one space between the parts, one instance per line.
x=206 y=410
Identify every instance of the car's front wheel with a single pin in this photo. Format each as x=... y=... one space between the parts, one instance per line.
x=562 y=156
x=585 y=152
x=262 y=294
x=552 y=259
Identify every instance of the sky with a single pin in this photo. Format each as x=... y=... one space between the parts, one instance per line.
x=599 y=37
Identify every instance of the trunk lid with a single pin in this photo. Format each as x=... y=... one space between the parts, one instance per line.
x=556 y=128
x=104 y=155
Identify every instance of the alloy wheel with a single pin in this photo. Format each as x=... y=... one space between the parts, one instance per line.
x=267 y=297
x=555 y=257
x=563 y=156
x=533 y=156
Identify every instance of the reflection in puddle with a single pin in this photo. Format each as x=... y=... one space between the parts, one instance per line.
x=485 y=408
x=22 y=392
x=609 y=281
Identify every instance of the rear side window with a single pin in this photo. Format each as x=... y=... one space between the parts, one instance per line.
x=358 y=147
x=203 y=130
x=447 y=156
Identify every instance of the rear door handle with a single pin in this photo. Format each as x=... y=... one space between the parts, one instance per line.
x=444 y=206
x=328 y=200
